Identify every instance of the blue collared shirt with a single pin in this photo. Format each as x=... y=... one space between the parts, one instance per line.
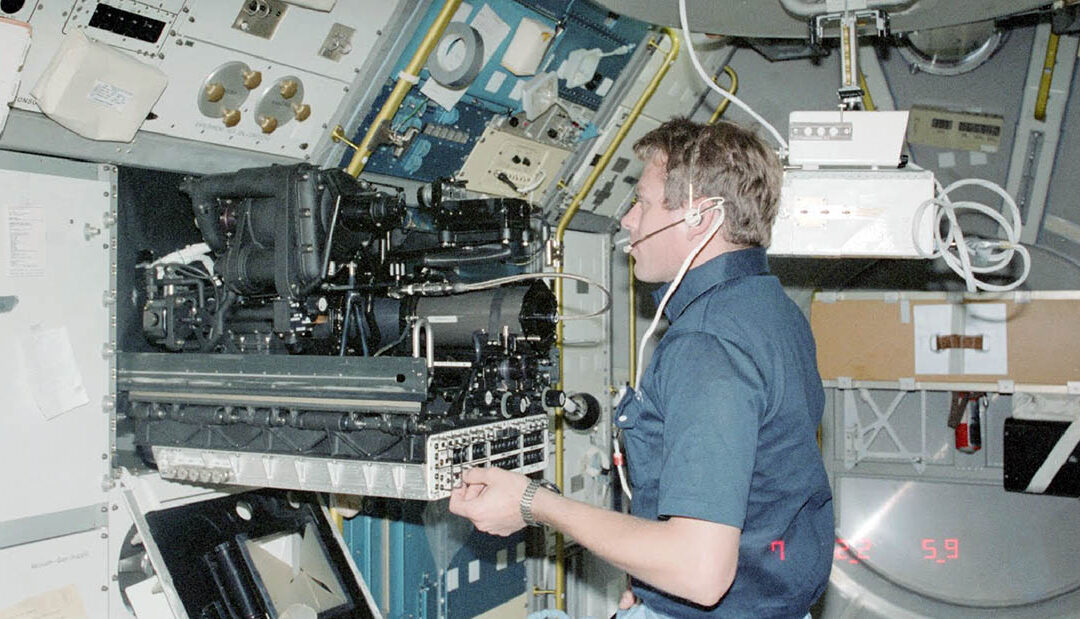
x=723 y=428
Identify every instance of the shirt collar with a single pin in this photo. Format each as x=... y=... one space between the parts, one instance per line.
x=720 y=270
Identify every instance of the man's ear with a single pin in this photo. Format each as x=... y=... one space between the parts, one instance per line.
x=703 y=214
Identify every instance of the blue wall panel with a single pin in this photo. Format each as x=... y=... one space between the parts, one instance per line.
x=579 y=24
x=413 y=587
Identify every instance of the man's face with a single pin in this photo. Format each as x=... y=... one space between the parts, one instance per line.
x=658 y=258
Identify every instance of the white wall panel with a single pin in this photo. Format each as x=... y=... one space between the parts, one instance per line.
x=54 y=268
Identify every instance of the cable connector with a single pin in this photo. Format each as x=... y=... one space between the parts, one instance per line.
x=429 y=289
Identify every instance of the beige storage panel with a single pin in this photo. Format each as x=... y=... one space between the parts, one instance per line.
x=1027 y=338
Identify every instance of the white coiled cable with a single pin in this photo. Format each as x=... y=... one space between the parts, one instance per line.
x=958 y=251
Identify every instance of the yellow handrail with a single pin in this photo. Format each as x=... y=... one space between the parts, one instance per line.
x=867 y=99
x=406 y=79
x=731 y=90
x=1043 y=96
x=560 y=232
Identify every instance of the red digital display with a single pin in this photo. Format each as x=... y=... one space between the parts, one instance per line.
x=933 y=549
x=947 y=550
x=852 y=551
x=777 y=546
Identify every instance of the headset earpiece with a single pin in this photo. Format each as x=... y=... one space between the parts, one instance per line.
x=693 y=217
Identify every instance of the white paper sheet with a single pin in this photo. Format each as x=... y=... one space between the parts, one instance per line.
x=519 y=87
x=495 y=82
x=491 y=28
x=64 y=603
x=51 y=370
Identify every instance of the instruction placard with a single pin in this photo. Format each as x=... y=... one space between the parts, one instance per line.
x=26 y=235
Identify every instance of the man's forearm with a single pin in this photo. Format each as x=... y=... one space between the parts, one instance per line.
x=692 y=559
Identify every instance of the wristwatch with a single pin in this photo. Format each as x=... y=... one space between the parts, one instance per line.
x=527 y=499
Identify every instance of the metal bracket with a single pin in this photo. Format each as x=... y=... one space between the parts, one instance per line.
x=864 y=19
x=858 y=437
x=848 y=26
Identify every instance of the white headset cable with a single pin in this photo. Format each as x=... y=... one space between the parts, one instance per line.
x=711 y=84
x=718 y=221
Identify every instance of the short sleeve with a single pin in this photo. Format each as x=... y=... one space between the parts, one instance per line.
x=712 y=396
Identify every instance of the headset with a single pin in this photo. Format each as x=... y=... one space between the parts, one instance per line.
x=694 y=217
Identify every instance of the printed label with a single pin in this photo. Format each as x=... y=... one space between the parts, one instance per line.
x=112 y=97
x=26 y=241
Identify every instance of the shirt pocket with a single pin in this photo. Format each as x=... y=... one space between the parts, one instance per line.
x=628 y=410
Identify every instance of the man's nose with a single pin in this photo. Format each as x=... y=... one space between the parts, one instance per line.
x=629 y=220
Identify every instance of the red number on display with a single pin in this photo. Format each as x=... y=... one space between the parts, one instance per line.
x=777 y=544
x=929 y=547
x=842 y=551
x=952 y=550
x=952 y=545
x=864 y=547
x=852 y=552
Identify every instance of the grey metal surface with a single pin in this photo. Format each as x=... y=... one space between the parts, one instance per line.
x=55 y=524
x=1037 y=187
x=768 y=18
x=330 y=383
x=38 y=164
x=111 y=174
x=1011 y=553
x=932 y=539
x=1062 y=216
x=33 y=133
x=369 y=81
x=260 y=19
x=229 y=77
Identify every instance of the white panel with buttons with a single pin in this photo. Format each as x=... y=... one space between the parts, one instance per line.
x=260 y=75
x=844 y=138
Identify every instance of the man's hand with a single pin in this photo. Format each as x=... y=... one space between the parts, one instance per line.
x=491 y=499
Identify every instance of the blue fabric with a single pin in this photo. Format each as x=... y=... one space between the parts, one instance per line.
x=723 y=428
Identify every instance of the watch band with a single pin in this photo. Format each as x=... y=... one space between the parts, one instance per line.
x=527 y=499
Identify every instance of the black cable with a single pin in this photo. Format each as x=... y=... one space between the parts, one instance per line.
x=360 y=327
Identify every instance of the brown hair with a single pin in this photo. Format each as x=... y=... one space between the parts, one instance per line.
x=724 y=160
